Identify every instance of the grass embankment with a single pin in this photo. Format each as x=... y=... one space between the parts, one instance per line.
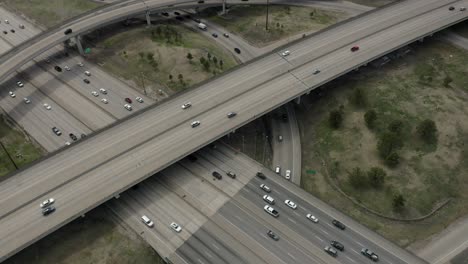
x=50 y=12
x=158 y=57
x=284 y=21
x=20 y=148
x=429 y=84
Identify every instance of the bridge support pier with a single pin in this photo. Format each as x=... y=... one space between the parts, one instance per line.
x=148 y=18
x=78 y=44
x=421 y=40
x=224 y=7
x=297 y=100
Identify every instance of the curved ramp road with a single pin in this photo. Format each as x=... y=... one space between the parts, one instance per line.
x=106 y=164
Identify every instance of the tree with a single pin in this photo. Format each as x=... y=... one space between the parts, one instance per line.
x=215 y=60
x=180 y=77
x=208 y=56
x=427 y=131
x=206 y=65
x=388 y=143
x=221 y=63
x=392 y=160
x=357 y=178
x=158 y=31
x=396 y=126
x=141 y=54
x=202 y=60
x=311 y=14
x=170 y=77
x=376 y=177
x=359 y=97
x=447 y=81
x=370 y=117
x=398 y=202
x=335 y=119
x=189 y=57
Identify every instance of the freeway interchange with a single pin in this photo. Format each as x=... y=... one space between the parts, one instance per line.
x=109 y=162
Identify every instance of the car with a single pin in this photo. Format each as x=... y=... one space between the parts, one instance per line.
x=86 y=81
x=261 y=175
x=285 y=53
x=201 y=1
x=83 y=136
x=147 y=221
x=288 y=175
x=165 y=13
x=354 y=48
x=67 y=143
x=68 y=31
x=277 y=169
x=331 y=251
x=366 y=252
x=186 y=105
x=47 y=106
x=462 y=8
x=290 y=204
x=271 y=210
x=192 y=158
x=176 y=227
x=280 y=138
x=5 y=32
x=73 y=137
x=176 y=13
x=87 y=73
x=21 y=26
x=265 y=188
x=95 y=94
x=139 y=99
x=338 y=224
x=26 y=100
x=237 y=50
x=103 y=91
x=12 y=94
x=317 y=71
x=231 y=174
x=67 y=68
x=272 y=235
x=19 y=83
x=217 y=175
x=312 y=218
x=231 y=114
x=12 y=31
x=128 y=100
x=451 y=8
x=337 y=245
x=104 y=101
x=80 y=64
x=214 y=35
x=56 y=131
x=47 y=211
x=267 y=198
x=128 y=107
x=58 y=68
x=197 y=20
x=195 y=123
x=47 y=60
x=226 y=35
x=6 y=21
x=47 y=202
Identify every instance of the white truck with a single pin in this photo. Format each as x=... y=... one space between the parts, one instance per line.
x=202 y=26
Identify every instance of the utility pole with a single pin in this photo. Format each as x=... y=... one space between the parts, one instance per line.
x=142 y=77
x=266 y=23
x=8 y=154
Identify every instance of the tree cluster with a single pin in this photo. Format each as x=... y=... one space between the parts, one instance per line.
x=374 y=177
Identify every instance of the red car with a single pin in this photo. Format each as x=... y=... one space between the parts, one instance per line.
x=355 y=48
x=128 y=100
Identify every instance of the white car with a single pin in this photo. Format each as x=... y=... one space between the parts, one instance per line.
x=277 y=169
x=80 y=64
x=195 y=123
x=288 y=175
x=268 y=199
x=147 y=221
x=285 y=53
x=290 y=204
x=271 y=210
x=312 y=218
x=21 y=26
x=12 y=94
x=47 y=106
x=186 y=105
x=95 y=94
x=6 y=21
x=26 y=100
x=176 y=227
x=67 y=143
x=265 y=188
x=139 y=99
x=20 y=84
x=104 y=101
x=103 y=91
x=87 y=73
x=67 y=68
x=47 y=202
x=128 y=107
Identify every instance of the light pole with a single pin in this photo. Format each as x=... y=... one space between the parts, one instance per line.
x=266 y=22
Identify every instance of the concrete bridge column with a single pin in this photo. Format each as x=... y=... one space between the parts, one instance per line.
x=78 y=44
x=297 y=100
x=224 y=7
x=148 y=18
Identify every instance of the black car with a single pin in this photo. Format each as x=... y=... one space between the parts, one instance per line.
x=12 y=31
x=237 y=50
x=86 y=81
x=231 y=114
x=201 y=1
x=165 y=13
x=451 y=8
x=217 y=175
x=58 y=68
x=273 y=235
x=72 y=136
x=176 y=13
x=56 y=131
x=48 y=210
x=214 y=35
x=337 y=245
x=338 y=224
x=231 y=174
x=5 y=32
x=261 y=175
x=192 y=158
x=68 y=31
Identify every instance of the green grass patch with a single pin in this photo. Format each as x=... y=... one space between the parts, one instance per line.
x=284 y=21
x=50 y=12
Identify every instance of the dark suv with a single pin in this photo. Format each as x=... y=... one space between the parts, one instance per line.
x=337 y=245
x=217 y=175
x=48 y=210
x=338 y=224
x=273 y=235
x=72 y=136
x=261 y=175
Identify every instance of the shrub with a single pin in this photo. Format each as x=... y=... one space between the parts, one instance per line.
x=370 y=117
x=427 y=131
x=396 y=126
x=335 y=119
x=388 y=143
x=376 y=177
x=357 y=178
x=359 y=97
x=392 y=160
x=398 y=202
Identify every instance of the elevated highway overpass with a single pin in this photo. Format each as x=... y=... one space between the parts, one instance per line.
x=106 y=164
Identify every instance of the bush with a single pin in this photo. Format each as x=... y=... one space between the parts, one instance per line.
x=357 y=178
x=427 y=131
x=398 y=202
x=392 y=160
x=396 y=126
x=370 y=117
x=376 y=177
x=359 y=97
x=388 y=143
x=335 y=119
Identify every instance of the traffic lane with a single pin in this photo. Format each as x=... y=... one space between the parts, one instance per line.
x=15 y=20
x=296 y=149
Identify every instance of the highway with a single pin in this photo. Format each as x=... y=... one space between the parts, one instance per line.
x=105 y=164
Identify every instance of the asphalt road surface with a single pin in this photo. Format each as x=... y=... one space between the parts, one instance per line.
x=105 y=164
